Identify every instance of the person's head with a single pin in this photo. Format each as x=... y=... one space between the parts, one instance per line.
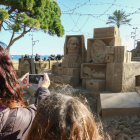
x=36 y=54
x=62 y=117
x=73 y=45
x=10 y=90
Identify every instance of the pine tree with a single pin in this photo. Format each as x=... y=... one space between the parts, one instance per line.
x=24 y=15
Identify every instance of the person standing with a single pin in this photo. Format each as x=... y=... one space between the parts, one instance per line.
x=15 y=117
x=37 y=58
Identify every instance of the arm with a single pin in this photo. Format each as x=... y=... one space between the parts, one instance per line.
x=43 y=85
x=41 y=93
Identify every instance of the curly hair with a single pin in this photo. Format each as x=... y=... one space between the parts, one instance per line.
x=10 y=90
x=62 y=117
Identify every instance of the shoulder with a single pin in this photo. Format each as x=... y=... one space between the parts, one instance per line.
x=16 y=120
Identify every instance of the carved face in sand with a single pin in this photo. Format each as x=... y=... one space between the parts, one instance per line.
x=98 y=51
x=73 y=48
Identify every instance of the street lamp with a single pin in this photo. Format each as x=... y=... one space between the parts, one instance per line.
x=33 y=42
x=134 y=37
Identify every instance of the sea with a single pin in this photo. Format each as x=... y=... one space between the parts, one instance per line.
x=16 y=57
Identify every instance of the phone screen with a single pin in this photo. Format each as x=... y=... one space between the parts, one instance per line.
x=34 y=79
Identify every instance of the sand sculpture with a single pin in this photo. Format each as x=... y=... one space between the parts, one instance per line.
x=33 y=67
x=105 y=65
x=136 y=52
x=26 y=65
x=98 y=52
x=74 y=56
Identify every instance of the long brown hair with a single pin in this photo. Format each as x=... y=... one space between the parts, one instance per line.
x=62 y=117
x=10 y=90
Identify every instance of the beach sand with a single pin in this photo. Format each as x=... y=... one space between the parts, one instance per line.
x=14 y=61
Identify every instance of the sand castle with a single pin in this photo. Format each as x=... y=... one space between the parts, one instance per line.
x=104 y=68
x=105 y=65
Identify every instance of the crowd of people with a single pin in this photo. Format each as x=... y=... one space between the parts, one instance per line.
x=51 y=57
x=51 y=117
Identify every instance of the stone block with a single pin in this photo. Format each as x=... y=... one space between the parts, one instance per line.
x=95 y=85
x=120 y=54
x=54 y=69
x=114 y=73
x=109 y=58
x=110 y=54
x=65 y=71
x=106 y=32
x=60 y=71
x=74 y=71
x=122 y=76
x=115 y=42
x=84 y=83
x=110 y=49
x=128 y=76
x=128 y=58
x=114 y=104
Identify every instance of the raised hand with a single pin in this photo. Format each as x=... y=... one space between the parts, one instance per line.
x=23 y=81
x=45 y=82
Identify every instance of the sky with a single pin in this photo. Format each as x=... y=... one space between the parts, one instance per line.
x=76 y=21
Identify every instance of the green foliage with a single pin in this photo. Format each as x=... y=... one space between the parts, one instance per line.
x=43 y=14
x=3 y=14
x=119 y=18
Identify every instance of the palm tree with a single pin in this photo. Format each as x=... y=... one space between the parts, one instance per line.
x=119 y=18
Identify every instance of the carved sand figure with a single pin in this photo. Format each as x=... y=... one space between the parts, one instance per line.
x=88 y=71
x=93 y=73
x=73 y=58
x=98 y=52
x=24 y=67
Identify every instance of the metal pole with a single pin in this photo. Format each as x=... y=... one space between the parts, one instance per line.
x=134 y=37
x=32 y=43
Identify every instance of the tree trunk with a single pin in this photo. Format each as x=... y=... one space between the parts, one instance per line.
x=1 y=25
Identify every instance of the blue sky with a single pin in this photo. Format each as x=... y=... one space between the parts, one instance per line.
x=75 y=24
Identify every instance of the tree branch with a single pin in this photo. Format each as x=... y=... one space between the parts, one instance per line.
x=12 y=41
x=1 y=25
x=12 y=37
x=11 y=10
x=5 y=28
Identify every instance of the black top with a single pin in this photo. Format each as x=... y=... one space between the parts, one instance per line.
x=37 y=58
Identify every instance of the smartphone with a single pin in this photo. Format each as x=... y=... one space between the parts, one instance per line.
x=34 y=78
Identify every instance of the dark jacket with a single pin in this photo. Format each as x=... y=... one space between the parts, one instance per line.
x=15 y=122
x=37 y=58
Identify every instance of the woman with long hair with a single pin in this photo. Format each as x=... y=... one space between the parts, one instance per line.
x=62 y=117
x=15 y=117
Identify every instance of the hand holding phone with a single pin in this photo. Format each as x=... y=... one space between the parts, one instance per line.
x=23 y=81
x=34 y=78
x=45 y=82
